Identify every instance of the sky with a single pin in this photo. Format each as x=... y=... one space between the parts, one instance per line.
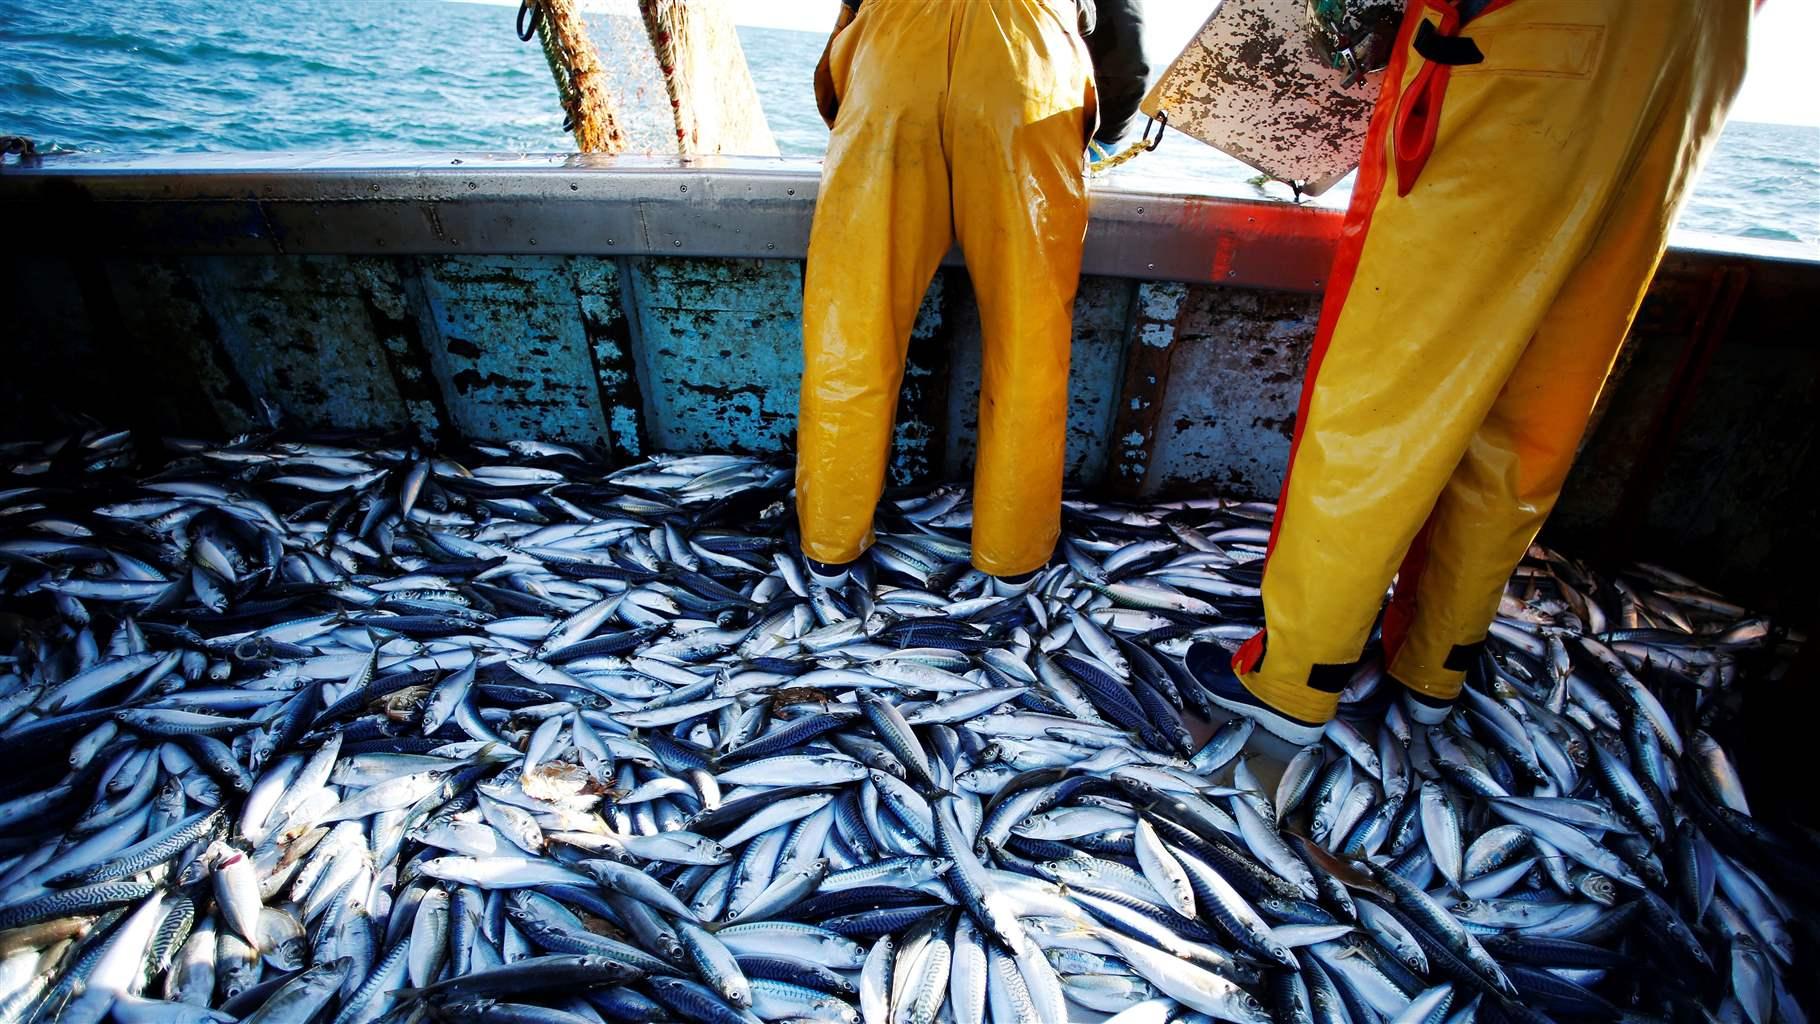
x=1782 y=85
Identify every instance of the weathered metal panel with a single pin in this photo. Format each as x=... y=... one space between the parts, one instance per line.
x=609 y=331
x=1732 y=506
x=1158 y=309
x=298 y=334
x=557 y=345
x=181 y=374
x=1619 y=439
x=417 y=204
x=49 y=319
x=393 y=297
x=963 y=332
x=508 y=349
x=919 y=435
x=719 y=352
x=1236 y=373
x=1736 y=500
x=1101 y=307
x=178 y=226
x=1102 y=319
x=726 y=213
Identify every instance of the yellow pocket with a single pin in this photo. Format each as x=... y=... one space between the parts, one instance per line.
x=1536 y=50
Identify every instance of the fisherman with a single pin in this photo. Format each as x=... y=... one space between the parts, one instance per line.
x=1523 y=165
x=968 y=122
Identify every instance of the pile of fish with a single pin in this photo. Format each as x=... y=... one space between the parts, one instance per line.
x=307 y=730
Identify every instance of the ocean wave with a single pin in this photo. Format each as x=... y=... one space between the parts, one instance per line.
x=189 y=75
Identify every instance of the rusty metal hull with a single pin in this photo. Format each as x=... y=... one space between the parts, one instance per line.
x=647 y=305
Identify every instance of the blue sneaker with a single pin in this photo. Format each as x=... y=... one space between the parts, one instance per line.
x=1211 y=666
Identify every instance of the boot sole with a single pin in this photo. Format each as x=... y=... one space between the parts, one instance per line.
x=1425 y=714
x=1277 y=725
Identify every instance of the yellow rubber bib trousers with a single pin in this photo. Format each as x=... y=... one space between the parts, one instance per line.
x=955 y=120
x=1507 y=218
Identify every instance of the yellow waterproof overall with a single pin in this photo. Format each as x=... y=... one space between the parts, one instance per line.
x=955 y=120
x=1507 y=219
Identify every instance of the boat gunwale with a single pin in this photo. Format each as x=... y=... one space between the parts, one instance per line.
x=732 y=207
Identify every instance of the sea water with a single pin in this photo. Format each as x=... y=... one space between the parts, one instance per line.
x=171 y=76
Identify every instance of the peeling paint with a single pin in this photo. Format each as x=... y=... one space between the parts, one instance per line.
x=1173 y=389
x=609 y=333
x=720 y=352
x=1244 y=351
x=627 y=431
x=1102 y=321
x=1154 y=326
x=922 y=397
x=510 y=351
x=1163 y=302
x=389 y=297
x=299 y=336
x=1101 y=314
x=690 y=354
x=191 y=382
